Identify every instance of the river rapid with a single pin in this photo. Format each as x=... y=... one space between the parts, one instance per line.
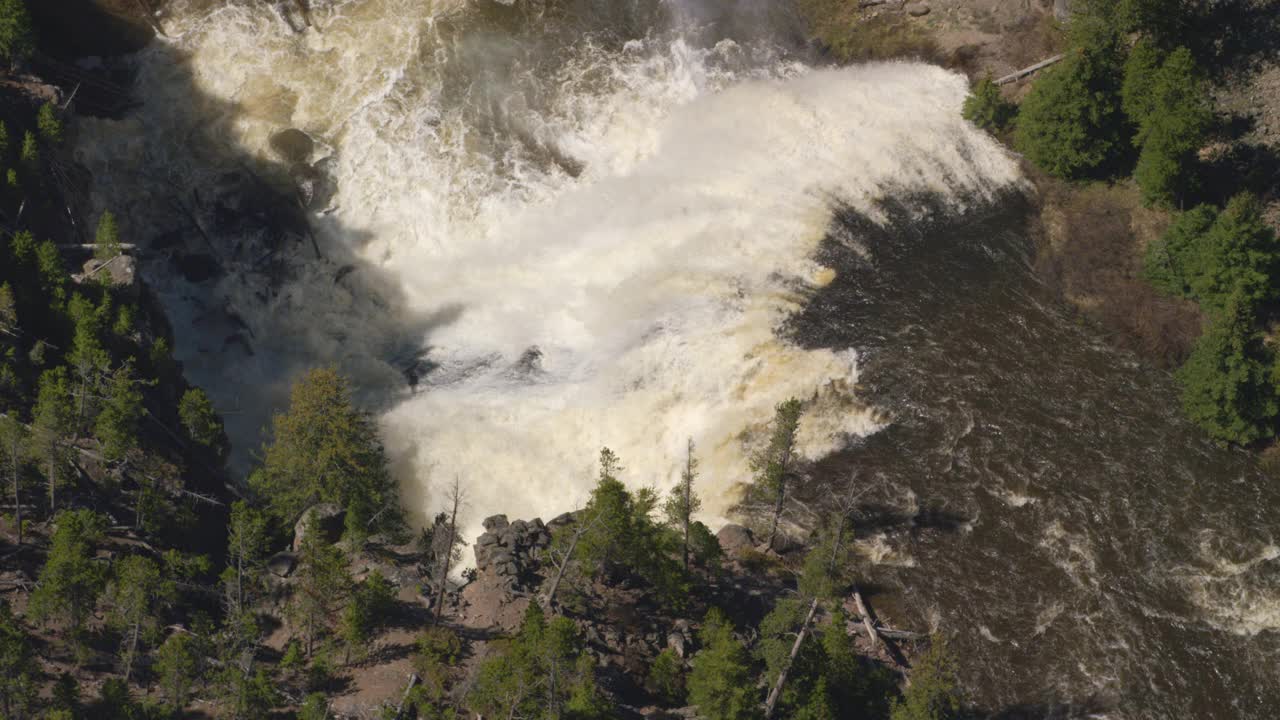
x=534 y=229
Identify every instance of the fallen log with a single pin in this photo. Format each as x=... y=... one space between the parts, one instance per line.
x=795 y=650
x=413 y=680
x=1028 y=70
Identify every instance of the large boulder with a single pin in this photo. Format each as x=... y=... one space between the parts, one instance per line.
x=735 y=540
x=292 y=145
x=120 y=272
x=324 y=518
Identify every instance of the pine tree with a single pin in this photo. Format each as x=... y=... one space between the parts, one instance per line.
x=1173 y=260
x=370 y=607
x=987 y=108
x=137 y=596
x=53 y=421
x=720 y=684
x=247 y=539
x=1227 y=383
x=201 y=421
x=107 y=237
x=1169 y=102
x=683 y=503
x=322 y=588
x=325 y=450
x=70 y=581
x=1070 y=124
x=17 y=35
x=18 y=688
x=116 y=426
x=774 y=464
x=934 y=692
x=1238 y=256
x=49 y=125
x=13 y=453
x=178 y=666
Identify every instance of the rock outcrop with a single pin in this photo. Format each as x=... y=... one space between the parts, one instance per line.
x=508 y=550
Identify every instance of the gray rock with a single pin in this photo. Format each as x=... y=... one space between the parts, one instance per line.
x=292 y=145
x=917 y=9
x=495 y=522
x=735 y=539
x=561 y=520
x=120 y=272
x=677 y=644
x=282 y=564
x=486 y=540
x=323 y=517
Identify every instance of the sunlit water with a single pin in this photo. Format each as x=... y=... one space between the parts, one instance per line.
x=631 y=223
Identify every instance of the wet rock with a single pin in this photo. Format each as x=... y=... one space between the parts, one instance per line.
x=735 y=539
x=314 y=185
x=292 y=145
x=282 y=564
x=197 y=267
x=917 y=9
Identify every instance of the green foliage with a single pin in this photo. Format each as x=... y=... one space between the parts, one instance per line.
x=18 y=688
x=70 y=581
x=1228 y=383
x=247 y=539
x=1070 y=125
x=202 y=422
x=624 y=538
x=987 y=108
x=542 y=673
x=705 y=547
x=438 y=651
x=178 y=666
x=107 y=237
x=116 y=426
x=683 y=503
x=772 y=465
x=1172 y=260
x=934 y=693
x=1168 y=101
x=325 y=450
x=17 y=35
x=666 y=677
x=53 y=419
x=136 y=597
x=49 y=125
x=777 y=636
x=322 y=587
x=314 y=707
x=720 y=684
x=371 y=605
x=30 y=154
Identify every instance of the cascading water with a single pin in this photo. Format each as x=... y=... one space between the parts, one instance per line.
x=588 y=245
x=554 y=226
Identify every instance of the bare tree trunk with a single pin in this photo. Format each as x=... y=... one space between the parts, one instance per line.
x=53 y=481
x=17 y=503
x=795 y=650
x=446 y=560
x=688 y=499
x=568 y=557
x=133 y=649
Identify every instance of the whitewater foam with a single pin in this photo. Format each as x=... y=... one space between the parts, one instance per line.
x=594 y=251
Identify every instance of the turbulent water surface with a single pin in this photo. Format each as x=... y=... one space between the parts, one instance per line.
x=539 y=228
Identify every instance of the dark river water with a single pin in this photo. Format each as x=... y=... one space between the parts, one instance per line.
x=1038 y=496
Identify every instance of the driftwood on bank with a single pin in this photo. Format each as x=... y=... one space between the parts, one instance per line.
x=413 y=680
x=1028 y=70
x=877 y=637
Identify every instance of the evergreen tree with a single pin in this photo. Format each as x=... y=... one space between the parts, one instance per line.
x=1239 y=255
x=371 y=605
x=13 y=454
x=683 y=503
x=542 y=674
x=137 y=596
x=934 y=692
x=30 y=154
x=17 y=35
x=116 y=426
x=53 y=421
x=322 y=588
x=325 y=450
x=247 y=539
x=70 y=581
x=201 y=421
x=18 y=688
x=178 y=666
x=987 y=108
x=107 y=237
x=773 y=465
x=1171 y=108
x=1228 y=383
x=49 y=125
x=1070 y=124
x=720 y=684
x=1173 y=260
